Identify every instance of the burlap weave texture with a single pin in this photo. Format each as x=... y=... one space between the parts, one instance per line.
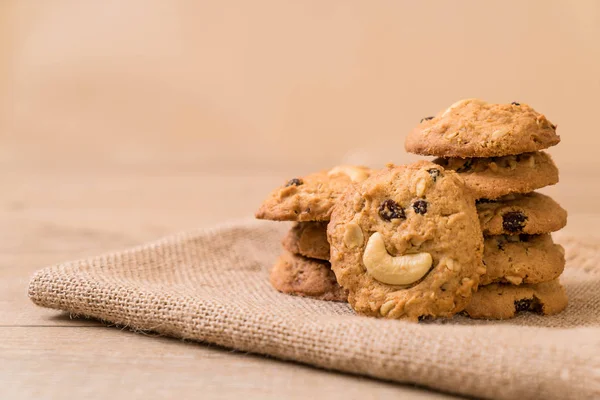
x=212 y=286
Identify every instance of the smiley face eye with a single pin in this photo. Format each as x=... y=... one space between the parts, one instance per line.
x=389 y=210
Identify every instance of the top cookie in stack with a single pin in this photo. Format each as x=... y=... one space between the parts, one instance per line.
x=496 y=149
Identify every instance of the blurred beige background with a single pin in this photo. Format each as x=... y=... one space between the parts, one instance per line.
x=222 y=82
x=121 y=121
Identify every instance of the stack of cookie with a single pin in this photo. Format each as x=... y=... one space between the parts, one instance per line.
x=466 y=233
x=496 y=149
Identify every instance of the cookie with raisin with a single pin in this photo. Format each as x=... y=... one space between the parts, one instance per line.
x=475 y=128
x=530 y=213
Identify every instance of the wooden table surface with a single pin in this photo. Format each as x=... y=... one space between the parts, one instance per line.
x=184 y=115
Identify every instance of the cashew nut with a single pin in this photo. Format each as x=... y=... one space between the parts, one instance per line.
x=356 y=174
x=400 y=270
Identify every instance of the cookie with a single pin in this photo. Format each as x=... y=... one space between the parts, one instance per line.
x=301 y=276
x=308 y=239
x=495 y=177
x=522 y=259
x=406 y=243
x=498 y=301
x=474 y=128
x=312 y=197
x=530 y=213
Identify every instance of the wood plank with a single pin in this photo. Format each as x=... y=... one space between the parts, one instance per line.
x=100 y=363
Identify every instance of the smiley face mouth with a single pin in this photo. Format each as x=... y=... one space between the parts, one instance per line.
x=399 y=270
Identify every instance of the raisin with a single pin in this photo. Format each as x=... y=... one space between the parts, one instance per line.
x=389 y=210
x=500 y=245
x=514 y=103
x=484 y=201
x=524 y=238
x=420 y=207
x=514 y=221
x=532 y=304
x=522 y=305
x=466 y=166
x=426 y=119
x=434 y=173
x=294 y=182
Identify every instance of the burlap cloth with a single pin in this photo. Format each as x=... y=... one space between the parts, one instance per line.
x=212 y=286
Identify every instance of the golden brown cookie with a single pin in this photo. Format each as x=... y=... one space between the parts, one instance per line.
x=522 y=259
x=474 y=128
x=491 y=178
x=530 y=213
x=308 y=239
x=301 y=276
x=406 y=243
x=312 y=197
x=498 y=301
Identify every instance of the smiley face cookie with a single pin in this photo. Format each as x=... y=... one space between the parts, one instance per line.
x=406 y=243
x=312 y=197
x=494 y=177
x=474 y=128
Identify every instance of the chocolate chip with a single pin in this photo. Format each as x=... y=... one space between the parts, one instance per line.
x=528 y=305
x=514 y=103
x=426 y=119
x=514 y=221
x=294 y=182
x=466 y=166
x=389 y=210
x=484 y=201
x=435 y=173
x=420 y=207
